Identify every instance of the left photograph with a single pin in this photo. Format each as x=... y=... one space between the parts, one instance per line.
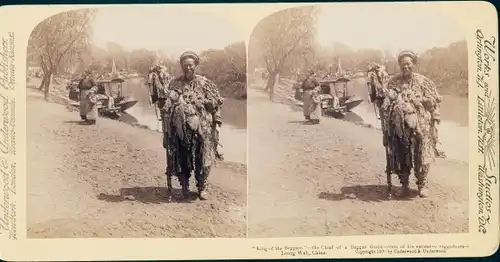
x=136 y=124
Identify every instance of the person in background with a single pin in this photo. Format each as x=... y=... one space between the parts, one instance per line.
x=102 y=94
x=336 y=100
x=308 y=85
x=315 y=110
x=88 y=89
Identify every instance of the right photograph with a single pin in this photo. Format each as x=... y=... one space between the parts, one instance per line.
x=357 y=122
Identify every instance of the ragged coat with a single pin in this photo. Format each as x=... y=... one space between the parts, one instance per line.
x=192 y=113
x=411 y=110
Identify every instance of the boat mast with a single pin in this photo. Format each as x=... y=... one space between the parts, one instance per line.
x=113 y=69
x=340 y=71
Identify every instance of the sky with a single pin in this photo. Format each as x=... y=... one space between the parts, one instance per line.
x=172 y=29
x=385 y=27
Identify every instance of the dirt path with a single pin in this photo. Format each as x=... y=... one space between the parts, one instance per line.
x=328 y=179
x=107 y=181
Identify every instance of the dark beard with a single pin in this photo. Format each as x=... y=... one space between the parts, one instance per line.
x=407 y=75
x=189 y=75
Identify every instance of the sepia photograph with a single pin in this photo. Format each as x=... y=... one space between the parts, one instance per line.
x=136 y=124
x=249 y=131
x=358 y=122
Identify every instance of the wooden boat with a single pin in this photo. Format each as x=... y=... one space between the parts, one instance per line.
x=337 y=87
x=113 y=88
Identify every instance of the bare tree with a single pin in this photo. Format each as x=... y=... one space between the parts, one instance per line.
x=281 y=36
x=59 y=39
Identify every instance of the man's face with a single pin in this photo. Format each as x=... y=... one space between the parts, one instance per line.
x=406 y=65
x=188 y=66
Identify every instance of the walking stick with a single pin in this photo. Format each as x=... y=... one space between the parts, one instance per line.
x=158 y=118
x=388 y=173
x=160 y=122
x=373 y=102
x=376 y=112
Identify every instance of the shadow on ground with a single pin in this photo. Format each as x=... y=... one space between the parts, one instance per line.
x=365 y=193
x=77 y=122
x=302 y=122
x=148 y=195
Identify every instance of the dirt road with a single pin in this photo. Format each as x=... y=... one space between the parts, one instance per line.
x=107 y=181
x=328 y=179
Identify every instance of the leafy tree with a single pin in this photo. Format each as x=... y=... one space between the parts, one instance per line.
x=60 y=39
x=227 y=68
x=282 y=36
x=448 y=67
x=141 y=60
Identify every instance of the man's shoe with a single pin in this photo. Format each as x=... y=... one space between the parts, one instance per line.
x=202 y=194
x=423 y=192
